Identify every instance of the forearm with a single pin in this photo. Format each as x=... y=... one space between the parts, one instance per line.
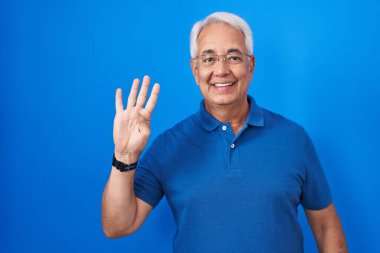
x=331 y=239
x=327 y=229
x=119 y=204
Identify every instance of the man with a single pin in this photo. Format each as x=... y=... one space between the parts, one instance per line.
x=233 y=173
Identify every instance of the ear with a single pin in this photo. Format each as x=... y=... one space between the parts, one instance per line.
x=251 y=64
x=194 y=69
x=251 y=67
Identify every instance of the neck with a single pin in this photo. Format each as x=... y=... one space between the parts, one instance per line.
x=234 y=114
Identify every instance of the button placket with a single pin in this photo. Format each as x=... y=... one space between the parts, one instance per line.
x=234 y=163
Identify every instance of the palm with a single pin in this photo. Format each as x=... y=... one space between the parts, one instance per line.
x=132 y=125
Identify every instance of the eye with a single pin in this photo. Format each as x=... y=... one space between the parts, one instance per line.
x=208 y=59
x=235 y=58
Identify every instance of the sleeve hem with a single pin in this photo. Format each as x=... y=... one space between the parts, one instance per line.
x=146 y=199
x=320 y=205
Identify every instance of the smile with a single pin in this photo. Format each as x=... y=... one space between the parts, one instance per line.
x=222 y=84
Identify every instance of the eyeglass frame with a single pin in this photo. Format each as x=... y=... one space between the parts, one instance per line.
x=224 y=56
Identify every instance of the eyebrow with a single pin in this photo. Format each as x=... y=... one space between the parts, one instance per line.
x=229 y=51
x=233 y=50
x=208 y=51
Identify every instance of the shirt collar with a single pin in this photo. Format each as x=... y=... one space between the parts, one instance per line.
x=255 y=116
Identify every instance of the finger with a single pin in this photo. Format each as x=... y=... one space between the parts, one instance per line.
x=133 y=93
x=119 y=100
x=143 y=92
x=153 y=98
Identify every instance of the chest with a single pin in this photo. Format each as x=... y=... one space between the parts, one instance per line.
x=215 y=174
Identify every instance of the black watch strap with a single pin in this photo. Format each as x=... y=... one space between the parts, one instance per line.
x=122 y=166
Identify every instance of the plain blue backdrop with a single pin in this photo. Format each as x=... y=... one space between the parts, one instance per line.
x=317 y=63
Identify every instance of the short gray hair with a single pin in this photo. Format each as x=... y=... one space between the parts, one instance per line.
x=221 y=17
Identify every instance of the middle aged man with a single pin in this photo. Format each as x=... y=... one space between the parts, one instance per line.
x=233 y=173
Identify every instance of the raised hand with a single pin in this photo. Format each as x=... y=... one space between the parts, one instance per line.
x=131 y=128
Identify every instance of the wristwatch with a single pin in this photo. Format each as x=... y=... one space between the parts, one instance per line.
x=123 y=166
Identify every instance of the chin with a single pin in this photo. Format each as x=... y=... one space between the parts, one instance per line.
x=226 y=99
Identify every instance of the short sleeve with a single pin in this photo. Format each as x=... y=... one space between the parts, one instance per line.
x=316 y=192
x=147 y=182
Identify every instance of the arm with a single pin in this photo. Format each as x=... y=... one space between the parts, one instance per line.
x=327 y=229
x=122 y=212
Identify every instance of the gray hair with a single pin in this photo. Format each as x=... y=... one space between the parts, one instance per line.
x=221 y=17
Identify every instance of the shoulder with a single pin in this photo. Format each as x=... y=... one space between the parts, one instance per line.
x=283 y=128
x=185 y=127
x=275 y=120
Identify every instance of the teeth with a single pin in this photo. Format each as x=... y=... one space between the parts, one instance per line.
x=222 y=84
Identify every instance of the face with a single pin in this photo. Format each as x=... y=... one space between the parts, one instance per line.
x=222 y=84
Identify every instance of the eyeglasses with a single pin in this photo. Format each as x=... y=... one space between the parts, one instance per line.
x=209 y=60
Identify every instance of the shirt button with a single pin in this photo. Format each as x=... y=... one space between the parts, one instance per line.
x=224 y=128
x=232 y=145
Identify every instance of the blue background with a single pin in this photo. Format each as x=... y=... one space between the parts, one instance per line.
x=317 y=62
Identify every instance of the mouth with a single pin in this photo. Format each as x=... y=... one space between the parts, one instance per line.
x=224 y=84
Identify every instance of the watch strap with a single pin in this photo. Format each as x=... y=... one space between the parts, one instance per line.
x=123 y=166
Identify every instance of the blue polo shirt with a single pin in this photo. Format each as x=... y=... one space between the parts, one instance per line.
x=234 y=193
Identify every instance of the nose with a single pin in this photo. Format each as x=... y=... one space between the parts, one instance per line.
x=222 y=67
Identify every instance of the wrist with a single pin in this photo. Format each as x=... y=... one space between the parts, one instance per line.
x=123 y=167
x=127 y=158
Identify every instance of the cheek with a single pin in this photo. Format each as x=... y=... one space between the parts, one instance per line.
x=243 y=74
x=247 y=74
x=203 y=77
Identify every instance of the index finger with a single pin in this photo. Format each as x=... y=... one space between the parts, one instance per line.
x=153 y=98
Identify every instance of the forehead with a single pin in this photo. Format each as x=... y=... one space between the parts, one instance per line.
x=220 y=38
